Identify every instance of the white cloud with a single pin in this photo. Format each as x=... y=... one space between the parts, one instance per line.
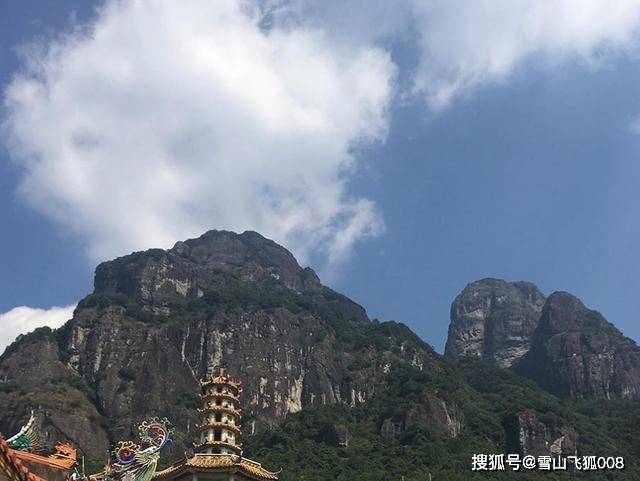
x=465 y=45
x=462 y=45
x=23 y=319
x=163 y=119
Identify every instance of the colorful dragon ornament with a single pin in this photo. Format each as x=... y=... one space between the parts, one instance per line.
x=138 y=462
x=28 y=438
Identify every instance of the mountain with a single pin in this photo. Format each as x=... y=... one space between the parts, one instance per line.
x=494 y=319
x=328 y=393
x=158 y=320
x=576 y=352
x=566 y=348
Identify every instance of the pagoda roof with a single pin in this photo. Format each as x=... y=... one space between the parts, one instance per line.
x=226 y=444
x=222 y=378
x=217 y=395
x=230 y=427
x=219 y=409
x=217 y=463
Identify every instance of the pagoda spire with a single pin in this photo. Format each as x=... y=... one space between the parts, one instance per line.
x=220 y=415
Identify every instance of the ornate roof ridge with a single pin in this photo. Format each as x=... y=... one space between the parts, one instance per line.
x=220 y=424
x=216 y=443
x=53 y=461
x=221 y=378
x=203 y=461
x=220 y=408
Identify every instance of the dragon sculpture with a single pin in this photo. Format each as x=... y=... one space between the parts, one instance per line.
x=29 y=438
x=138 y=462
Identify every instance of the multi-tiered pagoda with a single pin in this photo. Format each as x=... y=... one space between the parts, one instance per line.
x=220 y=428
x=218 y=451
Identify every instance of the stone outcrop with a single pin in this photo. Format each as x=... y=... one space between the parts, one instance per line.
x=494 y=319
x=430 y=413
x=33 y=375
x=576 y=352
x=534 y=437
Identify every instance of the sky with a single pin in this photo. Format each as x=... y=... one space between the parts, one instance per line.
x=401 y=148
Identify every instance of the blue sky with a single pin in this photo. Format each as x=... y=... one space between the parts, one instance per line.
x=504 y=154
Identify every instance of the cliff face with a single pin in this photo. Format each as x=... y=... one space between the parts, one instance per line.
x=576 y=352
x=566 y=348
x=158 y=320
x=534 y=437
x=494 y=319
x=32 y=375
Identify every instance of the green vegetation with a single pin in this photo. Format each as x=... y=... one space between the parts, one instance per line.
x=345 y=443
x=23 y=340
x=132 y=308
x=344 y=322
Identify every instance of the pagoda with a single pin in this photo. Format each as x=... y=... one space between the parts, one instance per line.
x=218 y=454
x=220 y=428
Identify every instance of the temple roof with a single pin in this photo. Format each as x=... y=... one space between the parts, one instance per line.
x=26 y=466
x=217 y=462
x=53 y=461
x=11 y=465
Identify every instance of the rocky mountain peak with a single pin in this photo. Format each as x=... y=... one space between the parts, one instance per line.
x=494 y=319
x=249 y=255
x=564 y=312
x=575 y=351
x=162 y=279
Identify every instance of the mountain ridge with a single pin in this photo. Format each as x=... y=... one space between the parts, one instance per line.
x=322 y=381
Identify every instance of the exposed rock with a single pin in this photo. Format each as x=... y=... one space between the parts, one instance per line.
x=32 y=376
x=436 y=415
x=162 y=280
x=390 y=429
x=431 y=414
x=536 y=438
x=344 y=436
x=494 y=319
x=576 y=352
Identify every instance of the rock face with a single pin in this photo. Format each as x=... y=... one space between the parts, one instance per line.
x=34 y=376
x=160 y=281
x=576 y=352
x=431 y=413
x=494 y=319
x=533 y=437
x=158 y=320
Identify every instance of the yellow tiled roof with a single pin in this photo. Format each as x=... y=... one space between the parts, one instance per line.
x=217 y=462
